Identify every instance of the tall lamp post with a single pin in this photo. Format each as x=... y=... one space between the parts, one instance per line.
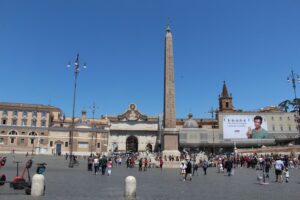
x=293 y=78
x=76 y=70
x=212 y=111
x=94 y=135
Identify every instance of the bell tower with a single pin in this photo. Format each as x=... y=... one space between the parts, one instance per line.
x=225 y=100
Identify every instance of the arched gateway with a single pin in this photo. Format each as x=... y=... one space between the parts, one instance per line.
x=132 y=144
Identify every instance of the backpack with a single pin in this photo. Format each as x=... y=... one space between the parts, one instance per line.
x=205 y=164
x=189 y=165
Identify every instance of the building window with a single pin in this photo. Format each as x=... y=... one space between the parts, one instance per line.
x=32 y=136
x=227 y=104
x=4 y=113
x=4 y=121
x=2 y=132
x=51 y=143
x=23 y=133
x=281 y=127
x=98 y=145
x=22 y=141
x=42 y=133
x=24 y=122
x=43 y=123
x=83 y=145
x=280 y=118
x=44 y=114
x=41 y=141
x=24 y=113
x=12 y=133
x=14 y=122
x=272 y=118
x=15 y=113
x=34 y=114
x=66 y=144
x=288 y=118
x=290 y=128
x=33 y=122
x=273 y=128
x=1 y=140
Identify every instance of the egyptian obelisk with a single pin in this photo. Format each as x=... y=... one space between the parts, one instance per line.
x=170 y=135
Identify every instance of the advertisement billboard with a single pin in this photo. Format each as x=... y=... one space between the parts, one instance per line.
x=244 y=127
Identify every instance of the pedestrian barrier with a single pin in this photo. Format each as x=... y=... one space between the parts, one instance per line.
x=130 y=188
x=38 y=185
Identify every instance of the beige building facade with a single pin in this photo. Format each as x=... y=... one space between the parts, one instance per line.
x=133 y=131
x=42 y=129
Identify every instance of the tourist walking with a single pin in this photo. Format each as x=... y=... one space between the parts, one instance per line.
x=161 y=163
x=109 y=166
x=182 y=172
x=205 y=166
x=287 y=175
x=96 y=165
x=279 y=166
x=149 y=163
x=228 y=166
x=267 y=167
x=220 y=166
x=66 y=156
x=188 y=171
x=145 y=164
x=141 y=164
x=128 y=162
x=120 y=161
x=103 y=164
x=90 y=163
x=195 y=168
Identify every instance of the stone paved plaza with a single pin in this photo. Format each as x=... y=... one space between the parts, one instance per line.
x=78 y=183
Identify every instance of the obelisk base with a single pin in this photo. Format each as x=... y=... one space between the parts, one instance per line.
x=171 y=155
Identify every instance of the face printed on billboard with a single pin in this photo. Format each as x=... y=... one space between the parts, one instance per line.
x=244 y=126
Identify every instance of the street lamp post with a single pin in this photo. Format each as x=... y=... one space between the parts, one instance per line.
x=32 y=152
x=94 y=135
x=212 y=111
x=292 y=78
x=76 y=70
x=92 y=144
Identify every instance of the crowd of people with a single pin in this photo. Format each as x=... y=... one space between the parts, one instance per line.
x=100 y=164
x=261 y=163
x=189 y=165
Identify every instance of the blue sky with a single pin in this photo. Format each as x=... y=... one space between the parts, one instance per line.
x=253 y=45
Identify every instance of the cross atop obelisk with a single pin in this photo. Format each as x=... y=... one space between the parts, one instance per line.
x=169 y=89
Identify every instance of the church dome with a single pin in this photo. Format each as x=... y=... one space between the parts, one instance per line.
x=190 y=123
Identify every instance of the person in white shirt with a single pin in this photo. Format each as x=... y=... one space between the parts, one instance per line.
x=287 y=175
x=279 y=166
x=96 y=165
x=183 y=170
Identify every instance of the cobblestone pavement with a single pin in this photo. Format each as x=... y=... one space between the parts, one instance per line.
x=78 y=183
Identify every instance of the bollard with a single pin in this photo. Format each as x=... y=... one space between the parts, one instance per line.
x=38 y=185
x=130 y=187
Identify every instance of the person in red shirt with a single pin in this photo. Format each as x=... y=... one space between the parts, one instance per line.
x=161 y=162
x=145 y=164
